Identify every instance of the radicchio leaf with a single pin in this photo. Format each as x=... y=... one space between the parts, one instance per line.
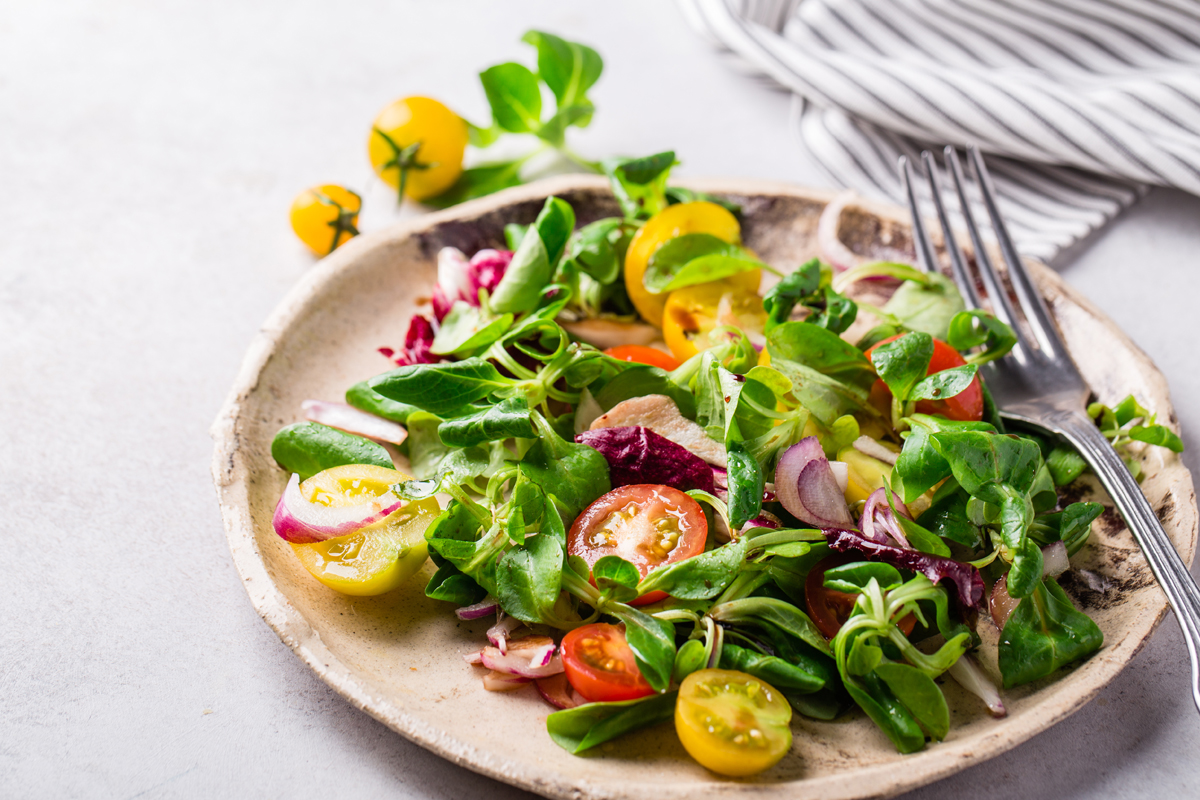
x=967 y=580
x=639 y=455
x=417 y=344
x=460 y=279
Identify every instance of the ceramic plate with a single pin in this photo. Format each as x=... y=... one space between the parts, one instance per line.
x=398 y=657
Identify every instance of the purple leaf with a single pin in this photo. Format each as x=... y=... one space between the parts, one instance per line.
x=416 y=344
x=639 y=455
x=966 y=578
x=460 y=279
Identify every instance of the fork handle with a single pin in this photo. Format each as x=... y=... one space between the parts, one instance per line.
x=1172 y=574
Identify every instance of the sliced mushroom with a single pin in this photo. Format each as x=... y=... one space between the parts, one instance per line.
x=660 y=414
x=606 y=333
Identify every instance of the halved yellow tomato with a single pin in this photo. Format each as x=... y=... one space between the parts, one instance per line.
x=691 y=313
x=731 y=722
x=379 y=557
x=866 y=474
x=672 y=221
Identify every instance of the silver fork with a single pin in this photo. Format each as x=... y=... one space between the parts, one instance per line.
x=1037 y=383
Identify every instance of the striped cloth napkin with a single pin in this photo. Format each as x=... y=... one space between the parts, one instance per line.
x=1087 y=101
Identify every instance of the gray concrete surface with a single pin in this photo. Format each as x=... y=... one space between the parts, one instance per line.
x=148 y=154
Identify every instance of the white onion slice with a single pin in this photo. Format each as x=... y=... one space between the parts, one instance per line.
x=351 y=420
x=841 y=474
x=1054 y=560
x=971 y=677
x=830 y=246
x=1054 y=563
x=528 y=657
x=503 y=682
x=486 y=606
x=807 y=487
x=301 y=522
x=868 y=446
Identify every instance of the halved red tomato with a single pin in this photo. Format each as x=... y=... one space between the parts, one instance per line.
x=646 y=524
x=966 y=405
x=829 y=609
x=600 y=665
x=643 y=355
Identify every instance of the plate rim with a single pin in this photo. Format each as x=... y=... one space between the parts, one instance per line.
x=231 y=477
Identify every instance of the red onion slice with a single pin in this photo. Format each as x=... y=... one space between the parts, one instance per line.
x=1002 y=604
x=558 y=692
x=528 y=657
x=805 y=484
x=351 y=420
x=301 y=522
x=486 y=606
x=474 y=657
x=830 y=246
x=503 y=682
x=498 y=634
x=765 y=519
x=971 y=677
x=878 y=522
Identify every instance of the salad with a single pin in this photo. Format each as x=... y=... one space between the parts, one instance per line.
x=681 y=500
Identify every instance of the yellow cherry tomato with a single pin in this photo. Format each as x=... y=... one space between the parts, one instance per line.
x=325 y=217
x=731 y=722
x=416 y=145
x=691 y=314
x=377 y=558
x=672 y=221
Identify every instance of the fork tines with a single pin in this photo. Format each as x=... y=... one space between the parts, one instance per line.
x=1036 y=315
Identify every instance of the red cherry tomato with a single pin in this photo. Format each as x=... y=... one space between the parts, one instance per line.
x=966 y=405
x=830 y=609
x=646 y=524
x=600 y=665
x=643 y=355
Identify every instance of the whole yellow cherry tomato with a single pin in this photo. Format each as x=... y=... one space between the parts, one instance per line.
x=731 y=722
x=325 y=217
x=416 y=145
x=377 y=558
x=691 y=314
x=672 y=221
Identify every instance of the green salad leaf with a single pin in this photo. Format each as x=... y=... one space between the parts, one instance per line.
x=307 y=448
